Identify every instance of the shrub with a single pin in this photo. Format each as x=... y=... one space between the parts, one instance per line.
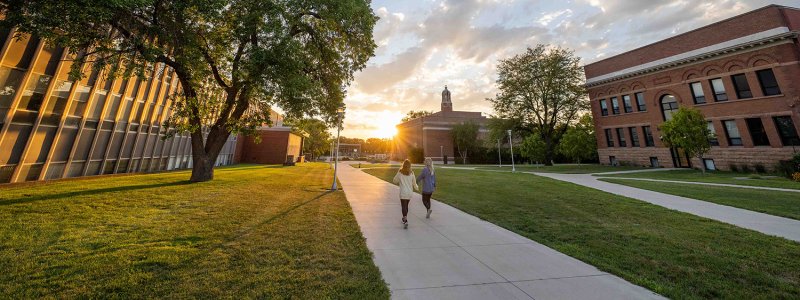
x=796 y=176
x=788 y=168
x=760 y=169
x=416 y=155
x=745 y=169
x=734 y=168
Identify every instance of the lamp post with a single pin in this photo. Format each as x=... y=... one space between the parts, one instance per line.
x=499 y=158
x=441 y=151
x=511 y=143
x=340 y=114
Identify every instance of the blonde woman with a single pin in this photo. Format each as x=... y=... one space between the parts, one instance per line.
x=428 y=179
x=405 y=179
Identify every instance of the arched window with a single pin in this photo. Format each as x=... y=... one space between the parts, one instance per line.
x=668 y=106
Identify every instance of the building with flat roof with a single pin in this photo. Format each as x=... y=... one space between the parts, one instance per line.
x=431 y=134
x=742 y=73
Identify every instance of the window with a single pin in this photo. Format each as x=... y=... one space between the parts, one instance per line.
x=640 y=102
x=634 y=136
x=709 y=164
x=614 y=105
x=609 y=138
x=713 y=140
x=741 y=86
x=719 y=89
x=603 y=107
x=734 y=138
x=697 y=93
x=648 y=137
x=757 y=132
x=787 y=131
x=626 y=103
x=668 y=106
x=621 y=137
x=769 y=85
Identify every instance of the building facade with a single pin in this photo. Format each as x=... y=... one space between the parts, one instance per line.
x=274 y=144
x=431 y=134
x=52 y=127
x=742 y=73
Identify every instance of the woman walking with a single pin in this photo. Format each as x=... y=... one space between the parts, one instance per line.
x=428 y=178
x=406 y=180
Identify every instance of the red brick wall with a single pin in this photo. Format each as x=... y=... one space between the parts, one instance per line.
x=746 y=24
x=781 y=58
x=271 y=150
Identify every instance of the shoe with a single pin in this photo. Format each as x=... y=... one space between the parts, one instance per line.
x=405 y=224
x=428 y=216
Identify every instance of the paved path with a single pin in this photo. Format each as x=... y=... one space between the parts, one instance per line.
x=454 y=255
x=768 y=224
x=599 y=176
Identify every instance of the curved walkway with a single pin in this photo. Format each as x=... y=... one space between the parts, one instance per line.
x=764 y=223
x=599 y=176
x=454 y=255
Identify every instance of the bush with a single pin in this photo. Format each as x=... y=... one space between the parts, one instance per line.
x=796 y=176
x=788 y=168
x=734 y=168
x=416 y=155
x=760 y=169
x=745 y=169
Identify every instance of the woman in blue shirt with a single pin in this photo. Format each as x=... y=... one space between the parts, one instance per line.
x=428 y=184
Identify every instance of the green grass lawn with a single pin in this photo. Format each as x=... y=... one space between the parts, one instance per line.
x=784 y=204
x=565 y=169
x=675 y=254
x=715 y=177
x=252 y=232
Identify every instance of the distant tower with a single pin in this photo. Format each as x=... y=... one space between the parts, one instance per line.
x=447 y=105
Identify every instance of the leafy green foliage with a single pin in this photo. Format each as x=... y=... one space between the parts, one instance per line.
x=688 y=130
x=579 y=142
x=413 y=114
x=234 y=59
x=465 y=136
x=318 y=138
x=542 y=89
x=534 y=148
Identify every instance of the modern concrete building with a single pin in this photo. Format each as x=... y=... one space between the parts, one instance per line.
x=743 y=73
x=431 y=134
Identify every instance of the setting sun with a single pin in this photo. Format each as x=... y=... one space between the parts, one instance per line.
x=386 y=127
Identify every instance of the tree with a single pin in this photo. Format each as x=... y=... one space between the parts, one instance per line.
x=318 y=138
x=377 y=145
x=234 y=59
x=579 y=142
x=688 y=130
x=534 y=148
x=543 y=90
x=416 y=114
x=465 y=136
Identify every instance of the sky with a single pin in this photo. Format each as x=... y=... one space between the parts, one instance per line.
x=424 y=45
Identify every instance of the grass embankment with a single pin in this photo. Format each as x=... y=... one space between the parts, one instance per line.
x=784 y=204
x=675 y=254
x=252 y=232
x=715 y=177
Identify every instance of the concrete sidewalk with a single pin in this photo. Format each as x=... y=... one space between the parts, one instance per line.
x=454 y=255
x=764 y=223
x=600 y=176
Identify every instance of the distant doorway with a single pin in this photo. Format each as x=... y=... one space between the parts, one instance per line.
x=679 y=158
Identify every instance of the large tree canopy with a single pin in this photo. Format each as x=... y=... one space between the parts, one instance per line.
x=543 y=90
x=234 y=58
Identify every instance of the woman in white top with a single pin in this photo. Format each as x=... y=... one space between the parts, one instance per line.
x=408 y=183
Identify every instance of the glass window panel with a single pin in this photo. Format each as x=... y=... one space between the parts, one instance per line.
x=648 y=137
x=626 y=102
x=697 y=93
x=734 y=138
x=668 y=106
x=603 y=107
x=719 y=89
x=64 y=145
x=634 y=136
x=714 y=141
x=614 y=105
x=621 y=137
x=642 y=106
x=609 y=138
x=769 y=84
x=57 y=103
x=757 y=132
x=741 y=86
x=97 y=105
x=10 y=80
x=33 y=96
x=787 y=131
x=112 y=110
x=40 y=145
x=79 y=101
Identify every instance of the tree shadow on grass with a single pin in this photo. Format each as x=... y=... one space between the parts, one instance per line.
x=28 y=199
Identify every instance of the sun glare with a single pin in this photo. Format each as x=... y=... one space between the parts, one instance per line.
x=386 y=123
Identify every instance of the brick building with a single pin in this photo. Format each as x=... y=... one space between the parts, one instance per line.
x=743 y=73
x=431 y=134
x=276 y=144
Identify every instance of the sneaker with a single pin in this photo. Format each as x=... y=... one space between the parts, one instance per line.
x=428 y=216
x=405 y=224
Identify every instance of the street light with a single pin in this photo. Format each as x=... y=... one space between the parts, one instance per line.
x=511 y=143
x=340 y=115
x=441 y=151
x=499 y=158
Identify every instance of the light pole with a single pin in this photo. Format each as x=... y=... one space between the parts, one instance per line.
x=441 y=151
x=499 y=158
x=340 y=114
x=511 y=143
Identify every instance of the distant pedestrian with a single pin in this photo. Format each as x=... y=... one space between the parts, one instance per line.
x=405 y=179
x=428 y=179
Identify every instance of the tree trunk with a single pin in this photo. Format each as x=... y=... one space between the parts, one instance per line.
x=548 y=150
x=205 y=156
